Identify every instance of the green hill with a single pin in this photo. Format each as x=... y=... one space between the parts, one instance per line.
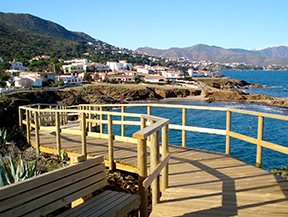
x=22 y=44
x=37 y=25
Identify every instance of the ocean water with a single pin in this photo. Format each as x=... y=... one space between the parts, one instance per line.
x=275 y=131
x=278 y=79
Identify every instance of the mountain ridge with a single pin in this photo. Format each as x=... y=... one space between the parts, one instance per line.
x=35 y=24
x=270 y=55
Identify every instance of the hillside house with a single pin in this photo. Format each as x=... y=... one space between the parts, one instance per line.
x=27 y=81
x=122 y=65
x=173 y=75
x=73 y=68
x=45 y=76
x=17 y=66
x=122 y=78
x=155 y=79
x=77 y=61
x=69 y=79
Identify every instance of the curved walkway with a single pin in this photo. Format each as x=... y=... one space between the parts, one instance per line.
x=201 y=183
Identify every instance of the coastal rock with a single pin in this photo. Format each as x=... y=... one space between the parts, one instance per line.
x=283 y=103
x=235 y=96
x=229 y=84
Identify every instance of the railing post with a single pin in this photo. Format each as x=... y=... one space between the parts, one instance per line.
x=142 y=174
x=37 y=138
x=50 y=117
x=31 y=116
x=101 y=118
x=83 y=124
x=110 y=143
x=149 y=112
x=143 y=123
x=228 y=129
x=184 y=120
x=90 y=117
x=66 y=115
x=28 y=132
x=21 y=120
x=123 y=119
x=165 y=151
x=58 y=131
x=259 y=137
x=154 y=158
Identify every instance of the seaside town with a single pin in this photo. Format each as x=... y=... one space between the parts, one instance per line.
x=178 y=71
x=92 y=129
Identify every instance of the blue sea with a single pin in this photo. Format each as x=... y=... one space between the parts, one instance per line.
x=275 y=131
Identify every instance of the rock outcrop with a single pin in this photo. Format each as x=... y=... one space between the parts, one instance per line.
x=229 y=84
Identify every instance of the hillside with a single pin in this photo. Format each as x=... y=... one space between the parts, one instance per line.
x=35 y=24
x=275 y=55
x=24 y=44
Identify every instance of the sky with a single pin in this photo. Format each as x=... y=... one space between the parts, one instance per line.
x=161 y=24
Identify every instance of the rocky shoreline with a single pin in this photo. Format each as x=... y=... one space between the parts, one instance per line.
x=111 y=94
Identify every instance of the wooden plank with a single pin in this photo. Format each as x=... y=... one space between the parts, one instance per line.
x=144 y=133
x=49 y=128
x=112 y=204
x=267 y=115
x=125 y=139
x=35 y=193
x=93 y=203
x=197 y=129
x=69 y=198
x=101 y=206
x=72 y=132
x=9 y=190
x=124 y=207
x=97 y=135
x=265 y=144
x=156 y=172
x=59 y=198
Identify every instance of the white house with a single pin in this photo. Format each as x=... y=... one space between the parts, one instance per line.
x=173 y=75
x=122 y=65
x=155 y=79
x=36 y=81
x=69 y=79
x=96 y=66
x=27 y=81
x=78 y=61
x=73 y=68
x=120 y=78
x=17 y=66
x=45 y=76
x=190 y=72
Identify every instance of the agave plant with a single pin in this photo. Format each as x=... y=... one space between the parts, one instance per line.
x=3 y=136
x=11 y=172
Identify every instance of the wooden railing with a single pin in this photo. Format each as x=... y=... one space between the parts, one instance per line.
x=37 y=115
x=225 y=132
x=42 y=117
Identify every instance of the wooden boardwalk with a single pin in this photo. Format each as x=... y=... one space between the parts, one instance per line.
x=201 y=183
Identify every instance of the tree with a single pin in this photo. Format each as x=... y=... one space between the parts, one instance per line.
x=4 y=66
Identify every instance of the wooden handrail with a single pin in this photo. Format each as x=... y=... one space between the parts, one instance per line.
x=146 y=183
x=144 y=133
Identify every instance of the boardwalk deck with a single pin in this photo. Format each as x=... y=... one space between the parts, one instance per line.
x=201 y=183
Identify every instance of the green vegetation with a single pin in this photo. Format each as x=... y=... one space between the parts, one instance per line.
x=11 y=171
x=283 y=172
x=3 y=79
